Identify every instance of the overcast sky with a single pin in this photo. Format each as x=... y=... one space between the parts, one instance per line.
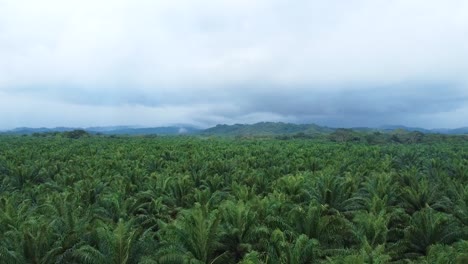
x=203 y=62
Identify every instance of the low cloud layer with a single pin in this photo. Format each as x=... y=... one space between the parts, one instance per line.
x=152 y=63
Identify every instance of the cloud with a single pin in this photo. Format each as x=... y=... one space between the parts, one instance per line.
x=358 y=62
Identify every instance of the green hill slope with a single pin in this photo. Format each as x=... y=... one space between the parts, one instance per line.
x=267 y=128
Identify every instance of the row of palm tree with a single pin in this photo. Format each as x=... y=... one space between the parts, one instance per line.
x=212 y=200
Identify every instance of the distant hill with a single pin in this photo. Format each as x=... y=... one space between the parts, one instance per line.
x=170 y=130
x=111 y=130
x=279 y=128
x=267 y=128
x=29 y=130
x=258 y=129
x=456 y=131
x=390 y=128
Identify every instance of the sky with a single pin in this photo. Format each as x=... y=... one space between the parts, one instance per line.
x=338 y=63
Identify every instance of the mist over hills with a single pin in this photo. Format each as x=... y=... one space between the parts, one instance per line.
x=279 y=128
x=110 y=130
x=267 y=128
x=261 y=128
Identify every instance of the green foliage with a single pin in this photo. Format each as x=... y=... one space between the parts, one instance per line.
x=75 y=134
x=428 y=227
x=400 y=197
x=344 y=135
x=457 y=253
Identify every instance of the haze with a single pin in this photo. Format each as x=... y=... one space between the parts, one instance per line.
x=204 y=62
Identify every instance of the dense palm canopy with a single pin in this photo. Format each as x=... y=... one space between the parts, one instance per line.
x=99 y=199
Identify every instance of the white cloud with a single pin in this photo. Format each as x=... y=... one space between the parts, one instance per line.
x=186 y=53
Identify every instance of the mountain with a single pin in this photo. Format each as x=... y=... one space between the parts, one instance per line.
x=258 y=129
x=455 y=131
x=279 y=128
x=171 y=130
x=110 y=130
x=29 y=130
x=266 y=128
x=390 y=128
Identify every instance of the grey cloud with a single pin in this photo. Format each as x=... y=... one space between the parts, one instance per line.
x=352 y=105
x=341 y=63
x=396 y=99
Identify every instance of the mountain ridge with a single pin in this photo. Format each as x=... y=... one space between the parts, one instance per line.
x=109 y=130
x=260 y=128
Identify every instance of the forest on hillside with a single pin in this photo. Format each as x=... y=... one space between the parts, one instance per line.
x=343 y=198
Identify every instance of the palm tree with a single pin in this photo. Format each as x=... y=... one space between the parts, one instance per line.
x=315 y=222
x=293 y=186
x=336 y=192
x=148 y=210
x=177 y=190
x=242 y=230
x=300 y=251
x=366 y=254
x=252 y=257
x=37 y=241
x=243 y=192
x=460 y=210
x=196 y=234
x=121 y=245
x=69 y=226
x=371 y=228
x=423 y=194
x=455 y=253
x=459 y=170
x=378 y=192
x=428 y=227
